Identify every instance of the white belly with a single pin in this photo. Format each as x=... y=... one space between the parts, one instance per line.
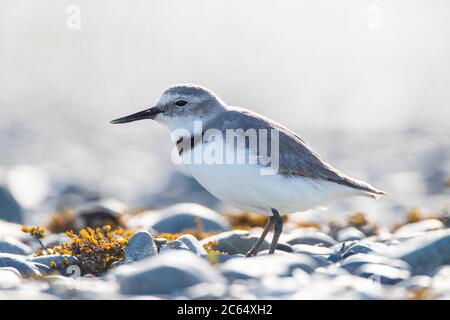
x=243 y=186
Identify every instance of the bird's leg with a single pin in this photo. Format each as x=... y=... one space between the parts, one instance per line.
x=254 y=250
x=278 y=230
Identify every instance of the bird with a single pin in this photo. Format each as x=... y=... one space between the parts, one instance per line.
x=300 y=180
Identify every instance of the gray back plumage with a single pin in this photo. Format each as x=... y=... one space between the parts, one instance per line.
x=296 y=157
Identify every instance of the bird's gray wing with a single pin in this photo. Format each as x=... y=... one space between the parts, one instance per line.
x=296 y=157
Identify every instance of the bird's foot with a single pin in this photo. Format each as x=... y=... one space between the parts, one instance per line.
x=251 y=253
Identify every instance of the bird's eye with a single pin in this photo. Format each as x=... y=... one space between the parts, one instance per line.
x=181 y=103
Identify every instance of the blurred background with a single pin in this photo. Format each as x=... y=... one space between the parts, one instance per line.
x=366 y=83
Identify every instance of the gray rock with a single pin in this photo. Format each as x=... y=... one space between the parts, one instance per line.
x=310 y=237
x=364 y=247
x=355 y=261
x=383 y=274
x=425 y=253
x=261 y=266
x=350 y=233
x=43 y=269
x=98 y=213
x=9 y=278
x=174 y=245
x=140 y=246
x=234 y=242
x=284 y=247
x=441 y=279
x=10 y=229
x=206 y=291
x=86 y=288
x=166 y=273
x=10 y=209
x=59 y=260
x=188 y=216
x=11 y=245
x=186 y=242
x=160 y=242
x=26 y=269
x=322 y=255
x=313 y=250
x=416 y=282
x=417 y=228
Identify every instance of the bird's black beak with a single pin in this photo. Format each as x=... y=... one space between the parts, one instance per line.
x=146 y=114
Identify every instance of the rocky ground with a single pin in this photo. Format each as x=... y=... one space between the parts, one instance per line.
x=188 y=251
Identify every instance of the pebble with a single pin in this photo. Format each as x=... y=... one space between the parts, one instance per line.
x=166 y=273
x=261 y=266
x=355 y=261
x=99 y=213
x=9 y=278
x=424 y=253
x=141 y=245
x=418 y=228
x=310 y=237
x=186 y=242
x=363 y=247
x=349 y=234
x=441 y=279
x=11 y=245
x=381 y=273
x=184 y=216
x=62 y=262
x=26 y=269
x=233 y=242
x=10 y=209
x=284 y=247
x=323 y=256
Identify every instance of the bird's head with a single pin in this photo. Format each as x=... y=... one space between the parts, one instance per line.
x=179 y=106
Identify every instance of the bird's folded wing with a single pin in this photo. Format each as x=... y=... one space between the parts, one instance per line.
x=296 y=157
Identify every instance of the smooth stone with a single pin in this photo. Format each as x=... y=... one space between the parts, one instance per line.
x=284 y=247
x=350 y=233
x=381 y=273
x=262 y=266
x=160 y=242
x=141 y=245
x=206 y=291
x=99 y=213
x=222 y=257
x=186 y=242
x=364 y=247
x=11 y=245
x=312 y=250
x=355 y=261
x=416 y=228
x=43 y=269
x=322 y=255
x=10 y=229
x=416 y=282
x=26 y=269
x=425 y=253
x=25 y=294
x=441 y=279
x=58 y=259
x=185 y=216
x=10 y=209
x=9 y=278
x=234 y=242
x=310 y=237
x=166 y=273
x=85 y=288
